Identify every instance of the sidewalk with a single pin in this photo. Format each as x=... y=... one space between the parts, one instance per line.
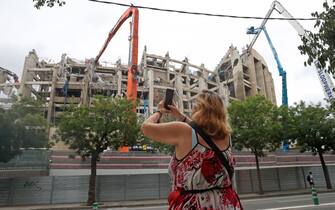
x=142 y=203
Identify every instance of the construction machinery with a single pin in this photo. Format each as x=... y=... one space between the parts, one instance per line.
x=133 y=50
x=325 y=80
x=282 y=72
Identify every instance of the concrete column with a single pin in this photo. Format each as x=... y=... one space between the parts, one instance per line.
x=167 y=60
x=87 y=81
x=188 y=94
x=151 y=90
x=266 y=88
x=238 y=82
x=31 y=61
x=269 y=86
x=260 y=77
x=274 y=100
x=252 y=73
x=119 y=82
x=52 y=95
x=179 y=89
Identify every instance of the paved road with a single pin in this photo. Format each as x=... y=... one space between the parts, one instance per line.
x=299 y=202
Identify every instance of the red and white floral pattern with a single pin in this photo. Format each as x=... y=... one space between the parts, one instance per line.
x=201 y=169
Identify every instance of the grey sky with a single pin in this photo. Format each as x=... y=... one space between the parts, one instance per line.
x=80 y=27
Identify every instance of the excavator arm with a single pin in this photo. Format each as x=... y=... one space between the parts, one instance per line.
x=324 y=78
x=133 y=59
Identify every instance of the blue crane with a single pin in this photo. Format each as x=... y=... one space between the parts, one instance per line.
x=282 y=72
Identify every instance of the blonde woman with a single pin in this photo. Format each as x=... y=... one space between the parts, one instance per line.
x=201 y=176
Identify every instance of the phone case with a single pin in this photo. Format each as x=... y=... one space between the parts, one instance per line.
x=168 y=98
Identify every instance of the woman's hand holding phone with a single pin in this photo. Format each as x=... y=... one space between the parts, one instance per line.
x=175 y=111
x=161 y=107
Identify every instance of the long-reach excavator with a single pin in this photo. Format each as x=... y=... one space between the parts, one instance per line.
x=282 y=72
x=324 y=77
x=133 y=50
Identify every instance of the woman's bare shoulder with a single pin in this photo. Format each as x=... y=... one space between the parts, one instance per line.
x=169 y=133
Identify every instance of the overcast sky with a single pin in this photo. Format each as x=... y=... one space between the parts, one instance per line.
x=80 y=27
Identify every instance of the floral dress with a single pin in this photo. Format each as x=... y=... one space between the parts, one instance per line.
x=200 y=181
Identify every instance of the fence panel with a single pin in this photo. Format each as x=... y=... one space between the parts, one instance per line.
x=288 y=178
x=31 y=190
x=164 y=185
x=5 y=185
x=112 y=188
x=243 y=181
x=74 y=189
x=70 y=189
x=270 y=180
x=142 y=187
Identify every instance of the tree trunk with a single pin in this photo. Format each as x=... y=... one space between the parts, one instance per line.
x=91 y=188
x=260 y=187
x=325 y=170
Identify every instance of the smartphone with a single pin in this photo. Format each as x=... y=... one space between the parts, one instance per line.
x=168 y=98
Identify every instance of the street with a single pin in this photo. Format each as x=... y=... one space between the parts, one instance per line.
x=301 y=202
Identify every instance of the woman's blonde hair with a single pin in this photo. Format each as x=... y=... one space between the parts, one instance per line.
x=210 y=113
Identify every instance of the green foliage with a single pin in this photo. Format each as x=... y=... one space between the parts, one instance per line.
x=49 y=3
x=22 y=126
x=256 y=124
x=164 y=148
x=315 y=127
x=320 y=46
x=109 y=122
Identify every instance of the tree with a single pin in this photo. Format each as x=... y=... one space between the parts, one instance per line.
x=256 y=125
x=320 y=46
x=315 y=127
x=89 y=130
x=22 y=126
x=50 y=3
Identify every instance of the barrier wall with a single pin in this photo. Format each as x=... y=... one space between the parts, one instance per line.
x=73 y=189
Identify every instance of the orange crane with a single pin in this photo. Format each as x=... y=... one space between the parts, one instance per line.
x=133 y=50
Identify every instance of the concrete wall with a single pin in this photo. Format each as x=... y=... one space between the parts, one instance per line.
x=73 y=189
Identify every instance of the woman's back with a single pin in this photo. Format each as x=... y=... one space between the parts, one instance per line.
x=200 y=181
x=199 y=178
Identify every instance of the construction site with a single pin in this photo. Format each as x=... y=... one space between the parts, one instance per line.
x=73 y=81
x=43 y=176
x=70 y=81
x=236 y=77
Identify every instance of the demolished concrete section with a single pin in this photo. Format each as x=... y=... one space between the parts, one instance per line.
x=245 y=75
x=70 y=81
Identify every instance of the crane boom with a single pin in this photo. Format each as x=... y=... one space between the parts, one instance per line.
x=296 y=25
x=281 y=70
x=324 y=78
x=265 y=20
x=132 y=68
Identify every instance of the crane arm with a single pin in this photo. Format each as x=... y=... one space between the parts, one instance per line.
x=132 y=11
x=276 y=5
x=281 y=70
x=326 y=82
x=275 y=54
x=296 y=25
x=265 y=20
x=133 y=59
